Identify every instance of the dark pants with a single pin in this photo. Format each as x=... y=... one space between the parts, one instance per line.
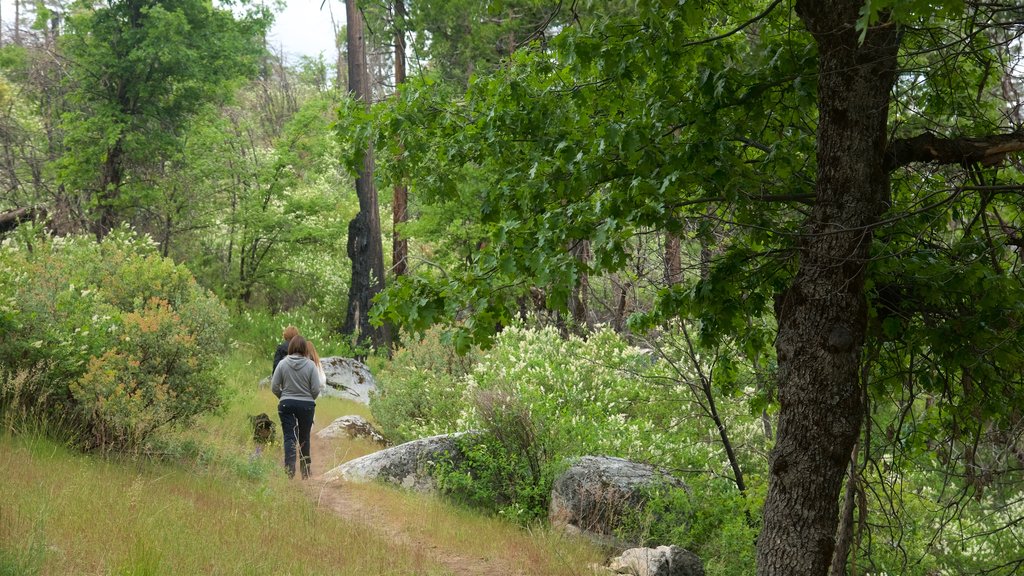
x=296 y=422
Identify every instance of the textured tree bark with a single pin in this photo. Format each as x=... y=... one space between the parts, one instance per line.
x=987 y=151
x=673 y=260
x=579 y=305
x=400 y=203
x=365 y=249
x=822 y=316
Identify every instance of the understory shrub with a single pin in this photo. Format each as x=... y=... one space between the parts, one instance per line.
x=720 y=525
x=540 y=400
x=119 y=342
x=506 y=469
x=420 y=392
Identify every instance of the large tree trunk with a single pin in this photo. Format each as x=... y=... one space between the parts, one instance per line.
x=10 y=219
x=364 y=242
x=823 y=314
x=399 y=246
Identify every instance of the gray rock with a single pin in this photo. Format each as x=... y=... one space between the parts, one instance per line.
x=348 y=378
x=660 y=561
x=595 y=495
x=351 y=427
x=408 y=465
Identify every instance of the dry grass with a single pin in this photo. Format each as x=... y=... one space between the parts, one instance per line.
x=217 y=508
x=438 y=524
x=71 y=514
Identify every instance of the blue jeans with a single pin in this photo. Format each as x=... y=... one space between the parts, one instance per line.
x=296 y=423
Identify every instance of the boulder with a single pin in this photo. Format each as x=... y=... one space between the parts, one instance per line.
x=660 y=561
x=348 y=378
x=408 y=465
x=595 y=494
x=352 y=427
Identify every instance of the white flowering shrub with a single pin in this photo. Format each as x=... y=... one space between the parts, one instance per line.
x=584 y=396
x=123 y=342
x=541 y=399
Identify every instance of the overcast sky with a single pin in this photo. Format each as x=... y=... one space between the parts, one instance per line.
x=302 y=28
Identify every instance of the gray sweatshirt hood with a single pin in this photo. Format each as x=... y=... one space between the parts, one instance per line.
x=296 y=378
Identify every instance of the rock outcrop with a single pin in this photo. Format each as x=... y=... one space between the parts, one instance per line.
x=408 y=465
x=660 y=561
x=596 y=493
x=348 y=378
x=352 y=427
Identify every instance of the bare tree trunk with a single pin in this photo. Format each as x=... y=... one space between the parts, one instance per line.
x=12 y=218
x=364 y=239
x=822 y=316
x=17 y=22
x=673 y=260
x=579 y=305
x=400 y=203
x=622 y=298
x=340 y=68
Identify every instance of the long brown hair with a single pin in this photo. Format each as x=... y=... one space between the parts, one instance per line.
x=311 y=353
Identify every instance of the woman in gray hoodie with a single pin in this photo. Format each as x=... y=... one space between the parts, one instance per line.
x=296 y=382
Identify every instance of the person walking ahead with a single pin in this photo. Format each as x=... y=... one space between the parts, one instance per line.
x=296 y=382
x=282 y=349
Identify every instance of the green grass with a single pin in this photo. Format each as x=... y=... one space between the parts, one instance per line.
x=68 y=513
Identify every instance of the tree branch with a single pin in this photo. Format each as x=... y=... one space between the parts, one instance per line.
x=739 y=28
x=928 y=147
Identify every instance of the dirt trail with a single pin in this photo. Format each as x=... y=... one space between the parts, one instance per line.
x=339 y=498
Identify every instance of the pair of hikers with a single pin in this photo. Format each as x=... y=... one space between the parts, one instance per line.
x=297 y=381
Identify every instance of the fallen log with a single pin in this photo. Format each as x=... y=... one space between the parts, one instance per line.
x=12 y=218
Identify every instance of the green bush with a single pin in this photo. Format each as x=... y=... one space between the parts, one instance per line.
x=506 y=469
x=720 y=525
x=420 y=392
x=589 y=396
x=121 y=342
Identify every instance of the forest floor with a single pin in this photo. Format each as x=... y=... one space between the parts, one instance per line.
x=363 y=507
